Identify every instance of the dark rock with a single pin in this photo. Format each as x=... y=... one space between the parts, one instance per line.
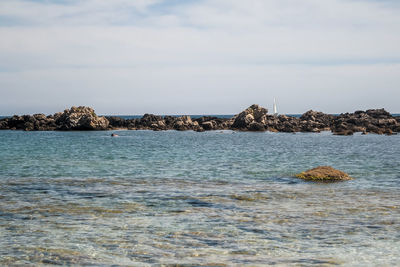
x=117 y=122
x=184 y=123
x=170 y=121
x=317 y=116
x=376 y=121
x=132 y=124
x=16 y=122
x=29 y=126
x=314 y=121
x=256 y=126
x=254 y=113
x=148 y=119
x=379 y=113
x=40 y=117
x=205 y=118
x=4 y=124
x=208 y=125
x=254 y=118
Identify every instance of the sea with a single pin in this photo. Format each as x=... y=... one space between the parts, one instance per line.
x=216 y=198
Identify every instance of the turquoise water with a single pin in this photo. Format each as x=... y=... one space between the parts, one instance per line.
x=214 y=198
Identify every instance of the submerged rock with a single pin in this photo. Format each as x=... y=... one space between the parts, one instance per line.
x=324 y=174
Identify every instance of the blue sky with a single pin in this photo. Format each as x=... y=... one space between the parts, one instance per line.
x=199 y=56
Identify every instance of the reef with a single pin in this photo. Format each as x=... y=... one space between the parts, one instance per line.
x=254 y=118
x=324 y=174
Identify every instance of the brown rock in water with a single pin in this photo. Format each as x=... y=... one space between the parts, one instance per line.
x=324 y=174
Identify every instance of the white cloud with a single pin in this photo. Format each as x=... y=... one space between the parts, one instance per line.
x=184 y=52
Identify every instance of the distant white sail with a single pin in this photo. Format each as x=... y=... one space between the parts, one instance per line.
x=275 y=109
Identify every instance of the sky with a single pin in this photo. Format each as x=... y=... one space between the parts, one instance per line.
x=199 y=56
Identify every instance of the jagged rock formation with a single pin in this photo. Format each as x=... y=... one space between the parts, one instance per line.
x=254 y=118
x=314 y=121
x=377 y=121
x=80 y=118
x=76 y=118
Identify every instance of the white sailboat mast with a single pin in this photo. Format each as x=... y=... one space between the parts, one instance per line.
x=275 y=109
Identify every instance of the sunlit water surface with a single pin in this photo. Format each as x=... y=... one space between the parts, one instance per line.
x=212 y=198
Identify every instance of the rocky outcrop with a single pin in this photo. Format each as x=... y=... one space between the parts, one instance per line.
x=117 y=122
x=36 y=122
x=314 y=121
x=377 y=121
x=282 y=123
x=184 y=123
x=254 y=118
x=4 y=124
x=209 y=123
x=324 y=174
x=80 y=118
x=76 y=118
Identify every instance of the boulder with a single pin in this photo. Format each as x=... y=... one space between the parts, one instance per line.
x=4 y=124
x=377 y=121
x=117 y=122
x=214 y=123
x=324 y=174
x=184 y=123
x=150 y=119
x=321 y=117
x=254 y=113
x=208 y=125
x=314 y=121
x=256 y=127
x=40 y=117
x=80 y=118
x=379 y=113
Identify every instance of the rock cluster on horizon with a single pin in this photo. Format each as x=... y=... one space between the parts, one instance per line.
x=254 y=118
x=76 y=118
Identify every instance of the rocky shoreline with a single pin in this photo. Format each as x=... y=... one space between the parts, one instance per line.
x=254 y=118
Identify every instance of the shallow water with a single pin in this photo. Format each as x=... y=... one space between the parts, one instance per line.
x=212 y=198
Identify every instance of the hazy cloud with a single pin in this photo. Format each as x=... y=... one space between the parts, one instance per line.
x=200 y=56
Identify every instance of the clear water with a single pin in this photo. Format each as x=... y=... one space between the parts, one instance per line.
x=213 y=198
